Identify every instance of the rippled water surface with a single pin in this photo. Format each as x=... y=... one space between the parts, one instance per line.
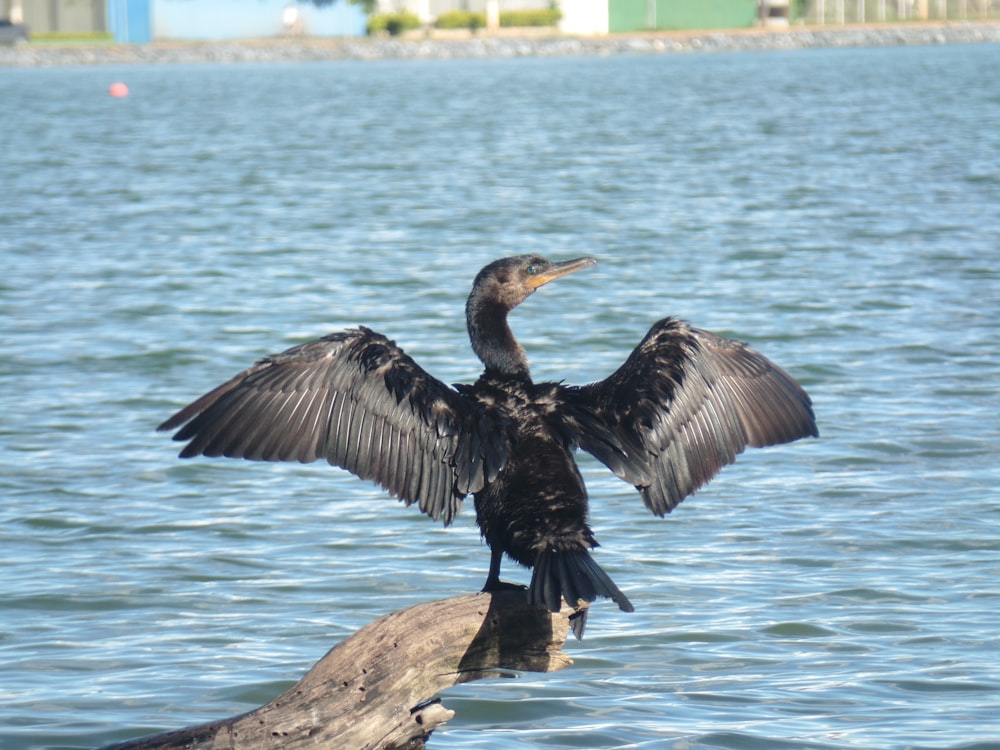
x=840 y=210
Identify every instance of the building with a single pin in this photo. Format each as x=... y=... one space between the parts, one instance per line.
x=149 y=20
x=610 y=16
x=154 y=20
x=57 y=16
x=251 y=19
x=606 y=16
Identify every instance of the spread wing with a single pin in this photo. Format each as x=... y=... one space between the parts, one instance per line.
x=682 y=406
x=359 y=401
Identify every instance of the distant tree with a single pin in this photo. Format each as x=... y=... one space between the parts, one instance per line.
x=368 y=5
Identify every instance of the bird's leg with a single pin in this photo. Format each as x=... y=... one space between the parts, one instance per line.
x=493 y=582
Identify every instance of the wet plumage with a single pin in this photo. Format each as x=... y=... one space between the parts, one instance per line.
x=681 y=407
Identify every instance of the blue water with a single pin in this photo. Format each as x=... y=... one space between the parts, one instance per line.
x=839 y=210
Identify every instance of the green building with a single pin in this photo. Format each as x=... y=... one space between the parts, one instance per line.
x=604 y=16
x=667 y=15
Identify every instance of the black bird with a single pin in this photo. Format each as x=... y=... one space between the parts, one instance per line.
x=681 y=407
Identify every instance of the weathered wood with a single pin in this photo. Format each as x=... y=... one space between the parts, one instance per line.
x=377 y=689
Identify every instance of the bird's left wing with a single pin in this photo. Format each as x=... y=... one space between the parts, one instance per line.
x=681 y=407
x=359 y=401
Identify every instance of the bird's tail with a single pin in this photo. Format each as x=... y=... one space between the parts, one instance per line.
x=576 y=577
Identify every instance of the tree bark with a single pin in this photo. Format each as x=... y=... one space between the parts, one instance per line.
x=376 y=690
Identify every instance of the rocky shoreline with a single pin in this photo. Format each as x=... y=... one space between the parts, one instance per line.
x=507 y=45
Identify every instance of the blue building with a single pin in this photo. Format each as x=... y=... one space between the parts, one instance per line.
x=155 y=20
x=249 y=19
x=130 y=20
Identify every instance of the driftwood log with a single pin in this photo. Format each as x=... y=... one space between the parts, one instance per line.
x=377 y=689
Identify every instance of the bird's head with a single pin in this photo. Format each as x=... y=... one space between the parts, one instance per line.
x=509 y=281
x=499 y=288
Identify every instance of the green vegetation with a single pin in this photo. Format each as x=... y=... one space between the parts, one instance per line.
x=62 y=37
x=464 y=19
x=538 y=17
x=393 y=23
x=367 y=5
x=460 y=19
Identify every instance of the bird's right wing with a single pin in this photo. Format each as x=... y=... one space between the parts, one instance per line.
x=681 y=407
x=359 y=401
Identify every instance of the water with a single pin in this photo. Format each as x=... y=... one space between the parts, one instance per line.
x=837 y=209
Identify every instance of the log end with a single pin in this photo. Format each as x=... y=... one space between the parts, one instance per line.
x=378 y=689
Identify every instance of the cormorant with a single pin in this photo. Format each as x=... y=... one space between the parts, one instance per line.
x=681 y=407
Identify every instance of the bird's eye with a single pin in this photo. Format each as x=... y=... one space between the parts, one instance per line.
x=530 y=270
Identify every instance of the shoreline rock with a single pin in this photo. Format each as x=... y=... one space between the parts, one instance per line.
x=507 y=45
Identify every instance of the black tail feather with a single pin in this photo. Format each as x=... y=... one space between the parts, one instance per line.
x=578 y=622
x=576 y=577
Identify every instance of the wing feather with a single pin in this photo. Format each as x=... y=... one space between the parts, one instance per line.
x=684 y=404
x=359 y=401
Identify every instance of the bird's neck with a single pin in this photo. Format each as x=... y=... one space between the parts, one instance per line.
x=493 y=341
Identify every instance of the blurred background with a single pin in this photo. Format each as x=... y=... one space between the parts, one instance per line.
x=837 y=209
